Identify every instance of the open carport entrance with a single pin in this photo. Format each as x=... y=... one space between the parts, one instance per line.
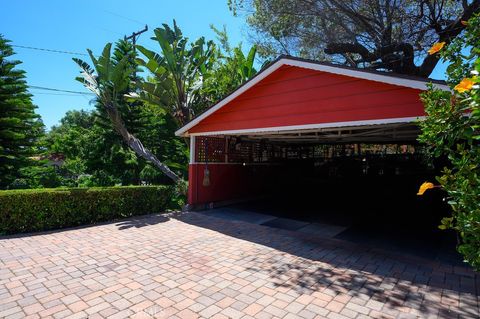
x=322 y=144
x=358 y=183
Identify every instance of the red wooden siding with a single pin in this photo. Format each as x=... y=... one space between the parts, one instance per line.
x=227 y=182
x=298 y=96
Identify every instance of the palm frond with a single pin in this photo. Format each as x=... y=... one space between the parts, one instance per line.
x=87 y=76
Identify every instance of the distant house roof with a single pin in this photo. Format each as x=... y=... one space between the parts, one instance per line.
x=405 y=81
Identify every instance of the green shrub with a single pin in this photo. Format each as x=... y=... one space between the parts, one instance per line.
x=44 y=209
x=452 y=131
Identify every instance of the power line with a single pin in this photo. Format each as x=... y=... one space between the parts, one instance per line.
x=49 y=50
x=70 y=52
x=123 y=17
x=58 y=90
x=60 y=94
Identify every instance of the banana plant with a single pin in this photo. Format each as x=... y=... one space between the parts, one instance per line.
x=232 y=69
x=176 y=72
x=109 y=81
x=246 y=68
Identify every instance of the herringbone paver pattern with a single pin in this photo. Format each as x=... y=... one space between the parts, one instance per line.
x=189 y=265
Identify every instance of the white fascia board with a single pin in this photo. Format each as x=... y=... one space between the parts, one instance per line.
x=411 y=83
x=280 y=129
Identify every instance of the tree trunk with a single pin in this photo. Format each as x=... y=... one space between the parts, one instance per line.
x=135 y=144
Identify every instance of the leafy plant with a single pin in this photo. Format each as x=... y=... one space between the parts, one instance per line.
x=109 y=80
x=96 y=156
x=451 y=130
x=232 y=67
x=177 y=72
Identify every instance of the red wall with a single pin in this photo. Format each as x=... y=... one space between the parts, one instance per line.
x=227 y=182
x=298 y=96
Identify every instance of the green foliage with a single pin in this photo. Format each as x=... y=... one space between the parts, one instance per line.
x=177 y=72
x=185 y=79
x=232 y=68
x=41 y=176
x=20 y=127
x=451 y=130
x=110 y=80
x=382 y=35
x=179 y=194
x=95 y=156
x=38 y=210
x=131 y=112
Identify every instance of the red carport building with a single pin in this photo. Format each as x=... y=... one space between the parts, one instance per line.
x=293 y=117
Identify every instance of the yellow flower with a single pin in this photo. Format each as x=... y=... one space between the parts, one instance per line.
x=463 y=22
x=423 y=188
x=464 y=85
x=436 y=47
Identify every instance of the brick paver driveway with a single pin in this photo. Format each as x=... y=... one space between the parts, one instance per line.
x=189 y=265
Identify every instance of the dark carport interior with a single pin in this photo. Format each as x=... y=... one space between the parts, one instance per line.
x=353 y=184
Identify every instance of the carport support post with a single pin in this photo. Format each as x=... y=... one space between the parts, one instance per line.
x=226 y=149
x=192 y=149
x=192 y=175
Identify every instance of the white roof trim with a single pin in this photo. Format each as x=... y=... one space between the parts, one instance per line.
x=411 y=83
x=279 y=129
x=378 y=77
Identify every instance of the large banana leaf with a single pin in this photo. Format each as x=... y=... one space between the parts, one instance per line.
x=177 y=71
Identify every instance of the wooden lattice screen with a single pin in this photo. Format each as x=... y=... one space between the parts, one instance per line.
x=211 y=149
x=235 y=150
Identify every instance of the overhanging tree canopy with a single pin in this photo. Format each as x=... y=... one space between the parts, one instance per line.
x=388 y=35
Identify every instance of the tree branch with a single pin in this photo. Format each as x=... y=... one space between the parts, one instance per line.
x=447 y=35
x=135 y=144
x=342 y=48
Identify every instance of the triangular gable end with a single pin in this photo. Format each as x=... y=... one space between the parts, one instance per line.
x=296 y=94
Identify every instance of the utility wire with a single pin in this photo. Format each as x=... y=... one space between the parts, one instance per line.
x=70 y=52
x=61 y=94
x=59 y=90
x=48 y=50
x=123 y=17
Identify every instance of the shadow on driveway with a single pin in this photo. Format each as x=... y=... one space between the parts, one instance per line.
x=143 y=221
x=337 y=267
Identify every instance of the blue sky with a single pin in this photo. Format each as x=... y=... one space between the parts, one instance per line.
x=76 y=25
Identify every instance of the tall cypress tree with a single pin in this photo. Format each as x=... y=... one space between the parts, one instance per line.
x=19 y=124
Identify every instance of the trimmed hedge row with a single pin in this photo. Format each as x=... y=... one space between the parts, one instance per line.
x=44 y=209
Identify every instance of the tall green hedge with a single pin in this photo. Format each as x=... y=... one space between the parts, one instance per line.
x=44 y=209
